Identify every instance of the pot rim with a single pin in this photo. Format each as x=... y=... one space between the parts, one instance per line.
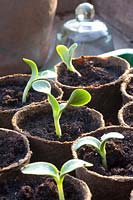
x=35 y=105
x=124 y=85
x=125 y=64
x=21 y=162
x=28 y=76
x=121 y=112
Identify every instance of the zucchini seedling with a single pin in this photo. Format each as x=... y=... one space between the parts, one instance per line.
x=79 y=97
x=66 y=55
x=45 y=168
x=35 y=74
x=100 y=146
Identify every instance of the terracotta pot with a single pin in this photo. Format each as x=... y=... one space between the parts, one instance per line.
x=117 y=185
x=14 y=150
x=36 y=122
x=24 y=32
x=125 y=115
x=107 y=93
x=126 y=89
x=11 y=89
x=19 y=186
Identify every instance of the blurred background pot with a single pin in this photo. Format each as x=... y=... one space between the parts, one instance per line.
x=25 y=28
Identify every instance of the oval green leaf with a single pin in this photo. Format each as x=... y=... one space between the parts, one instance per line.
x=73 y=164
x=40 y=168
x=63 y=52
x=79 y=97
x=89 y=141
x=42 y=86
x=111 y=135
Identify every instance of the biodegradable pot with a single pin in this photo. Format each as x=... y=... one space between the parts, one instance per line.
x=14 y=150
x=116 y=182
x=102 y=77
x=127 y=89
x=25 y=31
x=125 y=115
x=25 y=187
x=11 y=90
x=36 y=122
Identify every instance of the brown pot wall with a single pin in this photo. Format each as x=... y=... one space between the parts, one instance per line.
x=125 y=95
x=25 y=28
x=106 y=98
x=55 y=151
x=17 y=180
x=125 y=115
x=115 y=187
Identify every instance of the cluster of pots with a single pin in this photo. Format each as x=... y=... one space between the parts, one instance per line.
x=27 y=132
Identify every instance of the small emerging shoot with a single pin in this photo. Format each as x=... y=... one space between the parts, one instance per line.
x=34 y=75
x=45 y=168
x=66 y=55
x=79 y=97
x=100 y=146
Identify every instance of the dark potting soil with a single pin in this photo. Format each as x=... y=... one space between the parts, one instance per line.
x=11 y=150
x=11 y=96
x=128 y=117
x=119 y=157
x=35 y=188
x=73 y=123
x=130 y=88
x=91 y=74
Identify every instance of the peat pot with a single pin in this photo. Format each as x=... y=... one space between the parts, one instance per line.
x=11 y=91
x=24 y=187
x=115 y=182
x=14 y=150
x=125 y=115
x=36 y=122
x=102 y=77
x=127 y=89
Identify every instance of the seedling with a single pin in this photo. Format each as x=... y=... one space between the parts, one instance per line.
x=66 y=55
x=100 y=146
x=48 y=74
x=34 y=75
x=45 y=168
x=79 y=97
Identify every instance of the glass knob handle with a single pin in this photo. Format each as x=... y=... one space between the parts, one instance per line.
x=84 y=12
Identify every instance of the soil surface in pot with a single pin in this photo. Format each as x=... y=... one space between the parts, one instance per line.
x=91 y=73
x=73 y=123
x=128 y=115
x=119 y=157
x=130 y=88
x=11 y=96
x=12 y=149
x=39 y=188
